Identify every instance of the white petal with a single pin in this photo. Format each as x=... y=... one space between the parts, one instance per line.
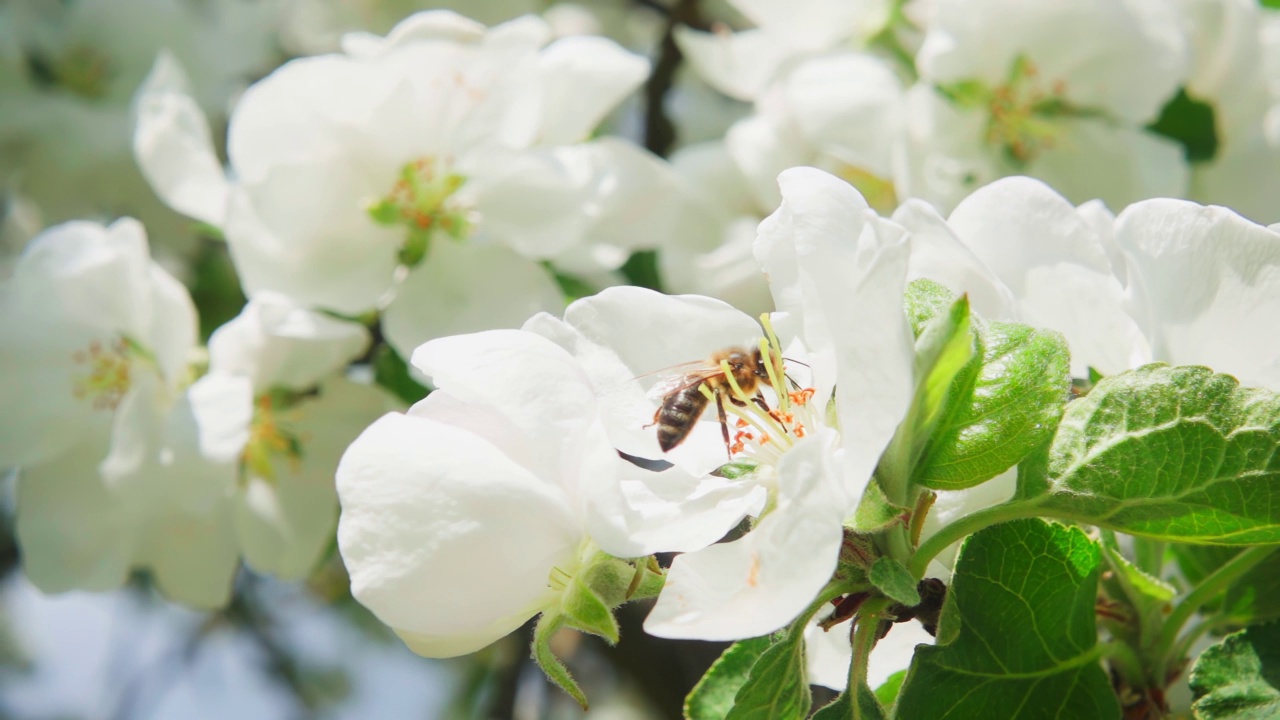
x=420 y=26
x=75 y=532
x=641 y=512
x=1057 y=268
x=737 y=64
x=535 y=384
x=841 y=271
x=938 y=255
x=850 y=105
x=445 y=536
x=762 y=147
x=284 y=525
x=536 y=202
x=584 y=78
x=1213 y=280
x=277 y=343
x=467 y=287
x=1098 y=159
x=174 y=148
x=760 y=582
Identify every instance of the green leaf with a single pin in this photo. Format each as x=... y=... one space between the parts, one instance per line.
x=584 y=610
x=943 y=350
x=1239 y=678
x=391 y=372
x=777 y=688
x=1254 y=597
x=1024 y=595
x=555 y=670
x=888 y=691
x=924 y=300
x=1190 y=123
x=895 y=581
x=1174 y=453
x=999 y=414
x=712 y=697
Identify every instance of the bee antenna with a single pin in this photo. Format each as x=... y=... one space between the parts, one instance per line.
x=793 y=382
x=790 y=360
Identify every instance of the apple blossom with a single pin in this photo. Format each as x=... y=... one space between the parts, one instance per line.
x=367 y=195
x=113 y=442
x=1007 y=88
x=305 y=414
x=824 y=251
x=493 y=497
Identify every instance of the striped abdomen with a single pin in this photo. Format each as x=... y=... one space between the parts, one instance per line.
x=679 y=411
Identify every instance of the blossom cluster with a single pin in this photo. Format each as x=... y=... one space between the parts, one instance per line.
x=946 y=268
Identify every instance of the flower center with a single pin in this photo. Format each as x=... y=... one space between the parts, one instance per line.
x=762 y=433
x=107 y=372
x=1021 y=111
x=271 y=438
x=423 y=200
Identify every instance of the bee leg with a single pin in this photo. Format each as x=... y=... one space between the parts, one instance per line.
x=736 y=401
x=759 y=399
x=656 y=413
x=724 y=424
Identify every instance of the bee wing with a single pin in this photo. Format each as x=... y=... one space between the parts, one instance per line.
x=680 y=377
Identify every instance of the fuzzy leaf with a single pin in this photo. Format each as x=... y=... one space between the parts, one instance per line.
x=712 y=697
x=1024 y=595
x=777 y=687
x=1174 y=453
x=1000 y=413
x=1239 y=678
x=555 y=670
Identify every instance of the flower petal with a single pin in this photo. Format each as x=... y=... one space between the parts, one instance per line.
x=174 y=146
x=760 y=582
x=467 y=288
x=443 y=535
x=583 y=79
x=1213 y=279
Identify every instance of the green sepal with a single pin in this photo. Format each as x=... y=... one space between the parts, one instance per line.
x=895 y=581
x=384 y=212
x=842 y=708
x=737 y=469
x=712 y=697
x=584 y=610
x=875 y=512
x=555 y=670
x=1239 y=678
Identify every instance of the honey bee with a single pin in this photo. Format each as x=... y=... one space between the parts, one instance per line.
x=684 y=402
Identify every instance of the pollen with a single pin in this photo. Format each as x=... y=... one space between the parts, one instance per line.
x=108 y=373
x=271 y=438
x=423 y=200
x=741 y=423
x=802 y=397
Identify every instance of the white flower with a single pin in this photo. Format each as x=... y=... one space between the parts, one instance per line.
x=472 y=512
x=84 y=319
x=742 y=64
x=121 y=464
x=825 y=253
x=1059 y=90
x=305 y=414
x=420 y=172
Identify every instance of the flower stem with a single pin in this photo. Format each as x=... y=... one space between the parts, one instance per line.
x=864 y=641
x=965 y=526
x=1208 y=589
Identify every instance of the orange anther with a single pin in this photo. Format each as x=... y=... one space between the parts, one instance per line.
x=741 y=423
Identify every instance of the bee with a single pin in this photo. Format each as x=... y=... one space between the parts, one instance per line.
x=684 y=402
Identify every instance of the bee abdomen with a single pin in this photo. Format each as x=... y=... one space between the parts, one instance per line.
x=678 y=414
